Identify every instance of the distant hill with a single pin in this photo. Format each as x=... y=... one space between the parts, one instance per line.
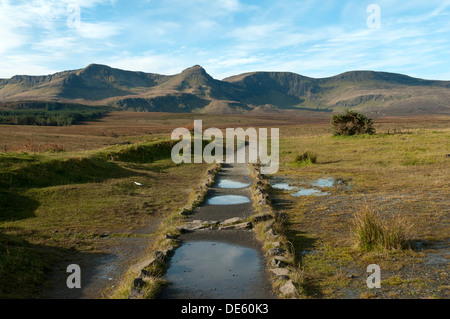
x=194 y=90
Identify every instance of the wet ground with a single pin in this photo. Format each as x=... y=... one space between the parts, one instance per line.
x=220 y=264
x=100 y=271
x=423 y=273
x=224 y=264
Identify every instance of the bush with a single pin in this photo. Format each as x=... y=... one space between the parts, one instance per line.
x=352 y=123
x=306 y=158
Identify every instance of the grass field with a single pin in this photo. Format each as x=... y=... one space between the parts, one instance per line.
x=71 y=190
x=53 y=205
x=403 y=171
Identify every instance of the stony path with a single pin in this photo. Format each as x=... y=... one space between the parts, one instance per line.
x=223 y=263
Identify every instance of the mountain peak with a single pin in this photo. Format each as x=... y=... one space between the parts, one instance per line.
x=96 y=66
x=196 y=69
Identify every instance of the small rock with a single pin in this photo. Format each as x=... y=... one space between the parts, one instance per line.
x=279 y=262
x=171 y=236
x=160 y=255
x=138 y=283
x=185 y=212
x=288 y=289
x=192 y=226
x=281 y=272
x=262 y=218
x=144 y=264
x=277 y=251
x=232 y=221
x=247 y=225
x=271 y=233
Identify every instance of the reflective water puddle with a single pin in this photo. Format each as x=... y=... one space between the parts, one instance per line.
x=228 y=200
x=283 y=186
x=215 y=270
x=299 y=191
x=309 y=192
x=232 y=184
x=324 y=182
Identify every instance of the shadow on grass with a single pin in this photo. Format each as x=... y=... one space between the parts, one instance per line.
x=14 y=206
x=304 y=243
x=29 y=271
x=65 y=172
x=329 y=162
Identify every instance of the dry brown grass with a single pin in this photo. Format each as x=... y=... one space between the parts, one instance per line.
x=372 y=233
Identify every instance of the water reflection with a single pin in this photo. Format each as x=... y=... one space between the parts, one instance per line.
x=233 y=184
x=228 y=200
x=208 y=269
x=309 y=192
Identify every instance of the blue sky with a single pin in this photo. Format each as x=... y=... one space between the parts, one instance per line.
x=316 y=38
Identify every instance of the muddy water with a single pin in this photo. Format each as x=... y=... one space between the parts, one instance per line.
x=220 y=264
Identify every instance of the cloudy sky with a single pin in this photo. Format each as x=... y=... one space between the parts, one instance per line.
x=316 y=38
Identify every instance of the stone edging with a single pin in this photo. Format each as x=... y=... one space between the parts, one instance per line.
x=276 y=246
x=280 y=259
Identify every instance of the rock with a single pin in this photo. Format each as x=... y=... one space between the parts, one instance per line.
x=171 y=236
x=288 y=289
x=164 y=253
x=136 y=289
x=262 y=218
x=232 y=221
x=241 y=226
x=192 y=226
x=168 y=251
x=186 y=212
x=144 y=264
x=279 y=262
x=138 y=283
x=271 y=233
x=281 y=272
x=277 y=251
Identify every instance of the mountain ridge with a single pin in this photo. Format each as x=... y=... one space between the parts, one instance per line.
x=194 y=90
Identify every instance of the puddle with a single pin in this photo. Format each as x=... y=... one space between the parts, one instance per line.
x=309 y=192
x=228 y=200
x=324 y=182
x=214 y=270
x=301 y=191
x=283 y=186
x=232 y=184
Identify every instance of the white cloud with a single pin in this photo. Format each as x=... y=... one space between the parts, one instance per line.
x=101 y=30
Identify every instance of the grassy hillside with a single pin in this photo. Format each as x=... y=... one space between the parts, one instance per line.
x=55 y=207
x=194 y=90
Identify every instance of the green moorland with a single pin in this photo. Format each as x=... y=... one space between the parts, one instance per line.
x=48 y=113
x=402 y=175
x=60 y=202
x=53 y=205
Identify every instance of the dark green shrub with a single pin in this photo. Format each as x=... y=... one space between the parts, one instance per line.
x=352 y=123
x=306 y=158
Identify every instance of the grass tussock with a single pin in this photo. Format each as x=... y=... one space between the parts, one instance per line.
x=307 y=158
x=372 y=233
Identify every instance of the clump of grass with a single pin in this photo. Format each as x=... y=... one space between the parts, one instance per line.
x=371 y=233
x=306 y=158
